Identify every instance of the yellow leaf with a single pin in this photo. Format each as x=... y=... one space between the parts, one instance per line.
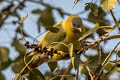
x=22 y=19
x=73 y=61
x=118 y=65
x=107 y=28
x=75 y=2
x=108 y=4
x=70 y=47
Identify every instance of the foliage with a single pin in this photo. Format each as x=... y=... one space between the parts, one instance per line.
x=96 y=67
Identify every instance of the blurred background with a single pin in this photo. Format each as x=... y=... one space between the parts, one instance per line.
x=41 y=15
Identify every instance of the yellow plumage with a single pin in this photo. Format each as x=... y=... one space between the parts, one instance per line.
x=67 y=34
x=53 y=37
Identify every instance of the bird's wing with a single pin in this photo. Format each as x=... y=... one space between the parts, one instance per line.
x=53 y=37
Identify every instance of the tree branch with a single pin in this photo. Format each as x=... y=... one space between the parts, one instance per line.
x=91 y=44
x=10 y=12
x=107 y=58
x=41 y=58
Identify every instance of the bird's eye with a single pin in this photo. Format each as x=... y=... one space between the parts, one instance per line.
x=76 y=22
x=73 y=24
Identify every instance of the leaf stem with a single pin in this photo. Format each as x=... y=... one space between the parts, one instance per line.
x=114 y=18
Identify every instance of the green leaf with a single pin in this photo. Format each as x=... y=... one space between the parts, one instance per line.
x=15 y=14
x=36 y=75
x=52 y=65
x=2 y=77
x=75 y=61
x=118 y=52
x=87 y=7
x=118 y=66
x=109 y=66
x=93 y=60
x=4 y=58
x=49 y=74
x=108 y=4
x=70 y=48
x=4 y=52
x=19 y=47
x=107 y=28
x=93 y=8
x=99 y=17
x=37 y=11
x=18 y=64
x=46 y=18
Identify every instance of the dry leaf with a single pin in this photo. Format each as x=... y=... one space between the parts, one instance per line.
x=22 y=19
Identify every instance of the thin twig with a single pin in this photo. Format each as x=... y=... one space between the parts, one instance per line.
x=108 y=56
x=66 y=71
x=106 y=59
x=90 y=72
x=10 y=12
x=60 y=76
x=46 y=5
x=77 y=76
x=101 y=40
x=114 y=18
x=99 y=53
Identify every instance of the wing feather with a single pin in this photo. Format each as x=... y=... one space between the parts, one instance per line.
x=53 y=37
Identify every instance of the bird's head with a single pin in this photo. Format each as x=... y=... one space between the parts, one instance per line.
x=73 y=25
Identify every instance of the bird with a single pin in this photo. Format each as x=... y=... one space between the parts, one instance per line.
x=70 y=30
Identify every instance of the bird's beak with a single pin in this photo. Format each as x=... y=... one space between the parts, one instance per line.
x=77 y=30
